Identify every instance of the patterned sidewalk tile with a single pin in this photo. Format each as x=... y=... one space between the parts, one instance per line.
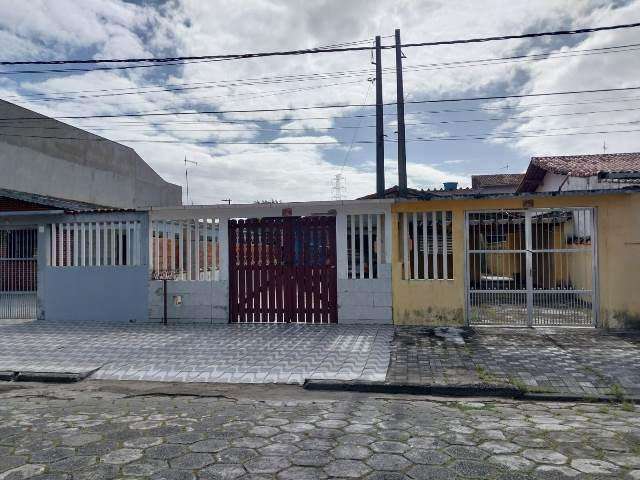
x=583 y=362
x=199 y=353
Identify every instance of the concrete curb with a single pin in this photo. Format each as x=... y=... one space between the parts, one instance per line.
x=6 y=376
x=473 y=390
x=45 y=377
x=462 y=390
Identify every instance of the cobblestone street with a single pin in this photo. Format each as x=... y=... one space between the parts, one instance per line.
x=95 y=430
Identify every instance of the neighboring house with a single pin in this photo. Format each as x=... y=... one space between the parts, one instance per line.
x=43 y=156
x=581 y=172
x=497 y=183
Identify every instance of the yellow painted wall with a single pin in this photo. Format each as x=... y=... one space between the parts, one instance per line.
x=439 y=302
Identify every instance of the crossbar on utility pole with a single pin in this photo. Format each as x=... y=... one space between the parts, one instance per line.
x=379 y=123
x=402 y=152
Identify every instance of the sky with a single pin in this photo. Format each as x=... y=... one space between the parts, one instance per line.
x=249 y=157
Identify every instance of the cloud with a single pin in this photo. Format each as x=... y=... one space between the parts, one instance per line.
x=112 y=28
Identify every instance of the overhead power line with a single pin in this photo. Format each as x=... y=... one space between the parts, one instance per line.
x=335 y=106
x=471 y=137
x=237 y=56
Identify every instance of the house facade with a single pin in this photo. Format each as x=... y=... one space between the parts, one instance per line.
x=541 y=259
x=445 y=257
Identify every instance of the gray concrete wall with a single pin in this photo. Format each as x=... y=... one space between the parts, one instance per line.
x=93 y=169
x=366 y=301
x=105 y=294
x=202 y=302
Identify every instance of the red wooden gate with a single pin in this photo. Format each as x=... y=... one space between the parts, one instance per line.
x=283 y=270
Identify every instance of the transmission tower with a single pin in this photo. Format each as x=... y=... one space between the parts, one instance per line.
x=338 y=186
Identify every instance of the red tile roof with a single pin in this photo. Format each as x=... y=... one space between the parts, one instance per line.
x=496 y=180
x=589 y=165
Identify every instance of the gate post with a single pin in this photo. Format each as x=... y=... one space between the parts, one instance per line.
x=529 y=265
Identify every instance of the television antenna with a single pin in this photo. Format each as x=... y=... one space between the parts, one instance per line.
x=186 y=176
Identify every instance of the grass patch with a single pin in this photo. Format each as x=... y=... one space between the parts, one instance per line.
x=524 y=388
x=617 y=392
x=628 y=406
x=485 y=375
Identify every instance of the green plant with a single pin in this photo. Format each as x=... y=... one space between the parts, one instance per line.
x=628 y=406
x=617 y=392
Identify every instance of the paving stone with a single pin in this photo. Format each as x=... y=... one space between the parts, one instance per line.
x=594 y=466
x=545 y=456
x=192 y=461
x=165 y=451
x=347 y=468
x=427 y=457
x=553 y=472
x=388 y=447
x=279 y=449
x=213 y=445
x=387 y=461
x=267 y=464
x=23 y=471
x=301 y=473
x=121 y=456
x=80 y=439
x=500 y=447
x=353 y=452
x=473 y=469
x=310 y=458
x=172 y=474
x=49 y=455
x=11 y=461
x=512 y=462
x=72 y=464
x=143 y=442
x=144 y=468
x=465 y=452
x=236 y=455
x=430 y=472
x=222 y=471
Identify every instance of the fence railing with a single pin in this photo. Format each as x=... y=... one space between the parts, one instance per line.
x=427 y=245
x=189 y=249
x=365 y=245
x=88 y=244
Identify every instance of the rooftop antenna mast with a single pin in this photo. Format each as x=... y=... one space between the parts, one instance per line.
x=186 y=175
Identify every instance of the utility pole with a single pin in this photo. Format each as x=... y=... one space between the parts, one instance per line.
x=186 y=175
x=402 y=152
x=379 y=123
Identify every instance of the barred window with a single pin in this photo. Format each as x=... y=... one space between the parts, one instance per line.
x=427 y=245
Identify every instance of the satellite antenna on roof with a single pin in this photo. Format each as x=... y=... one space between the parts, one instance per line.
x=186 y=176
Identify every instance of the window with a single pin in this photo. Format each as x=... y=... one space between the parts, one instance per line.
x=427 y=245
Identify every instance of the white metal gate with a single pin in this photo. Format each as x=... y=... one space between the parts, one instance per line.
x=534 y=267
x=18 y=273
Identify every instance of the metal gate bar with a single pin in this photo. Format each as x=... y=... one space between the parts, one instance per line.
x=531 y=267
x=18 y=273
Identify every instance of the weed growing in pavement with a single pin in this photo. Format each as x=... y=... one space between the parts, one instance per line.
x=617 y=392
x=628 y=406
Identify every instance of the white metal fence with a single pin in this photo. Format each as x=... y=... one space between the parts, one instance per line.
x=427 y=245
x=187 y=248
x=88 y=244
x=365 y=245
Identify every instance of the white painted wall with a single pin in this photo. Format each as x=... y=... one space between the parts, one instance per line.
x=359 y=300
x=553 y=182
x=202 y=302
